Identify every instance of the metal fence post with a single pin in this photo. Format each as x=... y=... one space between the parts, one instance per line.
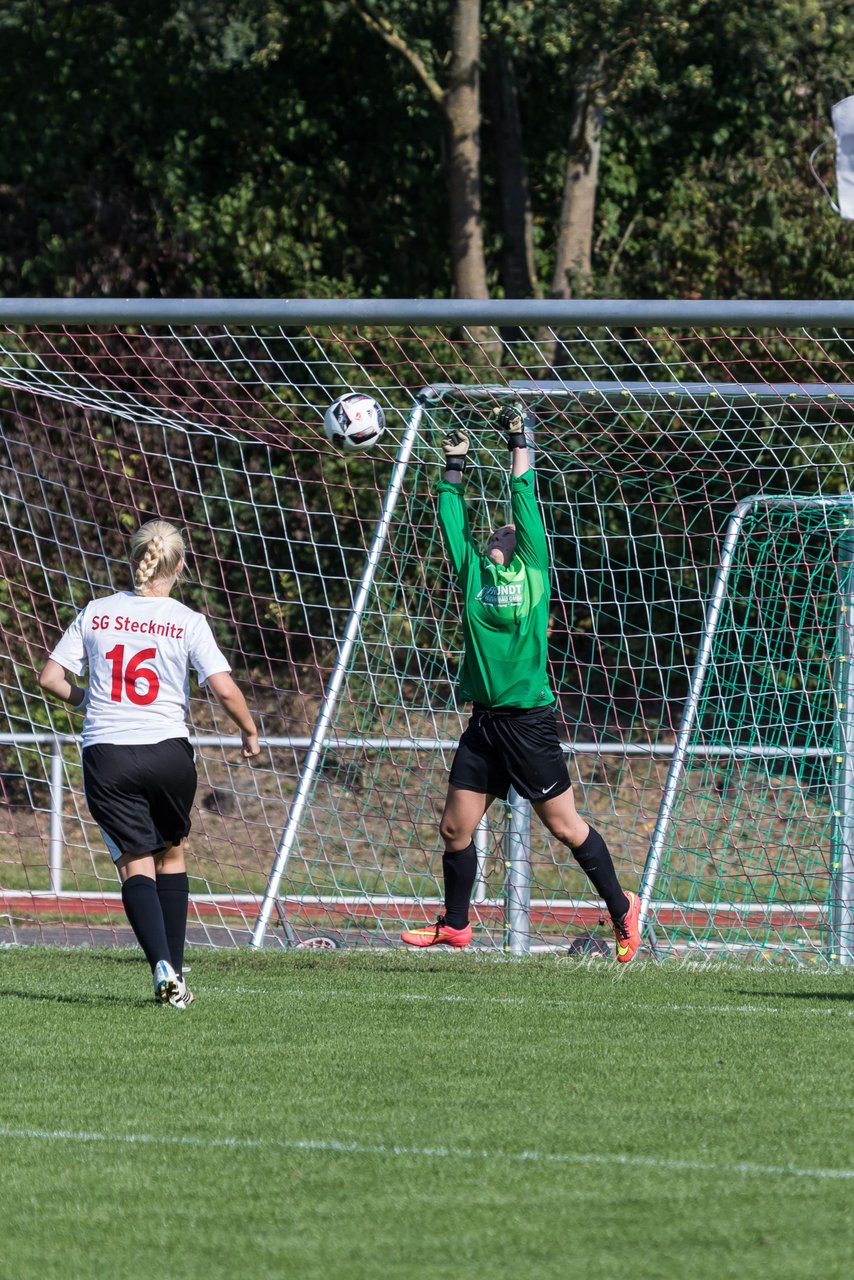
x=517 y=830
x=517 y=883
x=57 y=781
x=481 y=844
x=841 y=906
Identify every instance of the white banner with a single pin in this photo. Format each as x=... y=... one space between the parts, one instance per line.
x=843 y=129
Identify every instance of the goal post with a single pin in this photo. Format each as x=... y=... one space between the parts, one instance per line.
x=751 y=573
x=727 y=795
x=337 y=679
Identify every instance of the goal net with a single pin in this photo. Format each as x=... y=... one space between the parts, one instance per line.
x=709 y=746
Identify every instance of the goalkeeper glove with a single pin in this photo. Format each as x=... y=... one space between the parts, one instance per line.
x=455 y=446
x=510 y=420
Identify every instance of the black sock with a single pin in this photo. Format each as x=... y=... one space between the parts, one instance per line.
x=142 y=908
x=459 y=870
x=173 y=890
x=595 y=861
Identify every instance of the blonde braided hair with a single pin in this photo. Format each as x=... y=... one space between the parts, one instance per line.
x=156 y=550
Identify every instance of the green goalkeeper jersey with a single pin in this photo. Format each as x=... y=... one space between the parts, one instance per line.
x=505 y=607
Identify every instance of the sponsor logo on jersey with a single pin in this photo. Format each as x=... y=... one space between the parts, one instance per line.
x=503 y=595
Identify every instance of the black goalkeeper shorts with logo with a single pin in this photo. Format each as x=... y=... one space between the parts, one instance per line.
x=140 y=795
x=511 y=746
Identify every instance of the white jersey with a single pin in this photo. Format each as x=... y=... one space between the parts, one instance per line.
x=138 y=650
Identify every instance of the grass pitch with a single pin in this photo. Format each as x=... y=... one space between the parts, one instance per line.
x=415 y=1116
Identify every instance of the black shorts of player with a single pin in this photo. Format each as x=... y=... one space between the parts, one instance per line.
x=511 y=746
x=140 y=795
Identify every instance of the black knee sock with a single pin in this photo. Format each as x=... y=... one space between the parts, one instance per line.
x=173 y=890
x=595 y=861
x=142 y=908
x=459 y=870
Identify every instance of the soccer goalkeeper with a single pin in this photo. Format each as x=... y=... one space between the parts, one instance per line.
x=511 y=738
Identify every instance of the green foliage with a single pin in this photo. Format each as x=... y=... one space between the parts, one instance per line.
x=251 y=147
x=715 y=138
x=201 y=149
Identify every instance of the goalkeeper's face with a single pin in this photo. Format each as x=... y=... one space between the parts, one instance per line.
x=502 y=544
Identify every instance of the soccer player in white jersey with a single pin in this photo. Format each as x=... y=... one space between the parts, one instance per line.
x=139 y=774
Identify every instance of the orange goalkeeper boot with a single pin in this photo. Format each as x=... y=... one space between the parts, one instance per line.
x=438 y=934
x=627 y=931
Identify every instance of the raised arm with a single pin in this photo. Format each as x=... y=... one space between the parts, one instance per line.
x=455 y=446
x=509 y=420
x=453 y=512
x=531 y=543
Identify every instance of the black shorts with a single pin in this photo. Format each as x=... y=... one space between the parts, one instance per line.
x=140 y=795
x=511 y=746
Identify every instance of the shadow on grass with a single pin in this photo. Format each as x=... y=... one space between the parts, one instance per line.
x=128 y=955
x=93 y=1000
x=391 y=961
x=844 y=996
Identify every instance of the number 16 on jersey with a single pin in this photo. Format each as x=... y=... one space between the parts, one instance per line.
x=125 y=677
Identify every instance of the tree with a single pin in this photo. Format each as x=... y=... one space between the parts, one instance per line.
x=221 y=147
x=458 y=101
x=239 y=147
x=571 y=63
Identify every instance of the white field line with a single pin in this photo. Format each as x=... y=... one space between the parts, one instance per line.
x=331 y=1147
x=394 y=997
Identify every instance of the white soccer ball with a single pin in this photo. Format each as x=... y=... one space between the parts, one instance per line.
x=354 y=421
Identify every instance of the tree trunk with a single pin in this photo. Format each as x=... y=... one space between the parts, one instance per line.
x=462 y=111
x=518 y=268
x=573 y=265
x=459 y=103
